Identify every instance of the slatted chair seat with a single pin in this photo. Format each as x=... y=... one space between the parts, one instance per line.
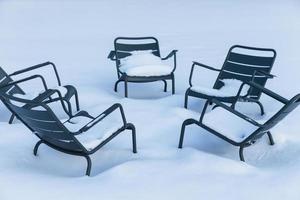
x=126 y=47
x=66 y=92
x=236 y=128
x=80 y=141
x=242 y=63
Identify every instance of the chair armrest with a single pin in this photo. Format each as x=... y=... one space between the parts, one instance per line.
x=224 y=106
x=37 y=76
x=112 y=55
x=201 y=65
x=39 y=66
x=267 y=75
x=267 y=92
x=104 y=114
x=172 y=54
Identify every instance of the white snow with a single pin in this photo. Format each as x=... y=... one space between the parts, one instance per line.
x=230 y=89
x=230 y=125
x=78 y=35
x=144 y=63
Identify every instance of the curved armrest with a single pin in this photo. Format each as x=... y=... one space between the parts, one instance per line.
x=104 y=114
x=201 y=65
x=39 y=66
x=267 y=75
x=112 y=55
x=172 y=54
x=37 y=76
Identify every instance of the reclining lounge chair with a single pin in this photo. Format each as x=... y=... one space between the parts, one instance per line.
x=65 y=92
x=241 y=64
x=42 y=121
x=250 y=131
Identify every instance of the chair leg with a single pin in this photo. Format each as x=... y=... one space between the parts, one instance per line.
x=270 y=138
x=133 y=131
x=165 y=85
x=36 y=147
x=260 y=106
x=186 y=97
x=89 y=165
x=11 y=119
x=77 y=102
x=215 y=106
x=173 y=84
x=116 y=85
x=241 y=153
x=184 y=124
x=126 y=87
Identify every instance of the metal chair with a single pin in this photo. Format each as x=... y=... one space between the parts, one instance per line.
x=16 y=89
x=247 y=137
x=242 y=63
x=123 y=46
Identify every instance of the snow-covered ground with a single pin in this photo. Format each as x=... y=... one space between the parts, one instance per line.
x=78 y=35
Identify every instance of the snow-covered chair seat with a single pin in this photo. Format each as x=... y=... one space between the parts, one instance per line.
x=144 y=63
x=80 y=135
x=230 y=89
x=242 y=63
x=67 y=92
x=95 y=136
x=138 y=60
x=236 y=128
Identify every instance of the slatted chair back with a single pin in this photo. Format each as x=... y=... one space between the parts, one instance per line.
x=12 y=89
x=125 y=45
x=41 y=120
x=242 y=62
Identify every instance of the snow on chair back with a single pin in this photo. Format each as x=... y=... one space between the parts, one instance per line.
x=40 y=119
x=5 y=79
x=242 y=62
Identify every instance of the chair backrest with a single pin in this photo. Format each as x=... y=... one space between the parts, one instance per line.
x=125 y=45
x=241 y=63
x=275 y=119
x=41 y=120
x=13 y=89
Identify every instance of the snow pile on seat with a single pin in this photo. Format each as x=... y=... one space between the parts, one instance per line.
x=229 y=125
x=144 y=63
x=98 y=133
x=230 y=88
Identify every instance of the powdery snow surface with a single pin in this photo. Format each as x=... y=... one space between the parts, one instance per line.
x=78 y=35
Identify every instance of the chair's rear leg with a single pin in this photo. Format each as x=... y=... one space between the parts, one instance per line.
x=36 y=147
x=89 y=165
x=270 y=138
x=173 y=84
x=77 y=101
x=126 y=87
x=11 y=119
x=241 y=153
x=186 y=97
x=133 y=131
